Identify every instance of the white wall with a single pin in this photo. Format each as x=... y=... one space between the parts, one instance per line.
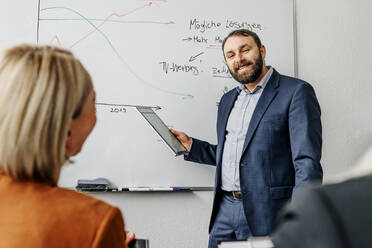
x=334 y=55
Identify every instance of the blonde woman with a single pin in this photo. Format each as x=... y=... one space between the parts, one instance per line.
x=47 y=110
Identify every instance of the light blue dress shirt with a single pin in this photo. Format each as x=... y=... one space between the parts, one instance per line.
x=236 y=131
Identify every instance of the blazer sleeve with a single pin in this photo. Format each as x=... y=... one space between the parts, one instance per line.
x=305 y=131
x=308 y=221
x=202 y=152
x=111 y=232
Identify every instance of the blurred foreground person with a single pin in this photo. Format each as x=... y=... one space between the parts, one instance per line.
x=334 y=215
x=47 y=110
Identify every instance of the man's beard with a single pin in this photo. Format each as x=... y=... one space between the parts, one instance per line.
x=251 y=77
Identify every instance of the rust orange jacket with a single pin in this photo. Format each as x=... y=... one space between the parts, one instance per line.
x=40 y=215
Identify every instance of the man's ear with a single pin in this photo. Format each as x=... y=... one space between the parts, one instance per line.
x=263 y=51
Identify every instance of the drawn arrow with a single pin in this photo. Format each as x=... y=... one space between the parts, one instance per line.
x=192 y=58
x=187 y=39
x=127 y=105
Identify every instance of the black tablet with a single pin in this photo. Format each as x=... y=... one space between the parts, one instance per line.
x=139 y=243
x=160 y=128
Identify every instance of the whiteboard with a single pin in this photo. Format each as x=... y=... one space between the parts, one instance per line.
x=18 y=24
x=164 y=54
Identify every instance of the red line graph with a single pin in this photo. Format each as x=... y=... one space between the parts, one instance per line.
x=106 y=19
x=58 y=40
x=55 y=38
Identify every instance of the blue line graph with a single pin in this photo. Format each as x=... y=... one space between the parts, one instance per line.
x=128 y=67
x=113 y=21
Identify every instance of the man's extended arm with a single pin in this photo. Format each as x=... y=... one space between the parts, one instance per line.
x=202 y=152
x=199 y=151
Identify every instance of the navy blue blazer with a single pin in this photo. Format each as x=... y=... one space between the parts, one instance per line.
x=282 y=149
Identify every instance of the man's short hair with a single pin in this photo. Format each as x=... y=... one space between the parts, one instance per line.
x=243 y=32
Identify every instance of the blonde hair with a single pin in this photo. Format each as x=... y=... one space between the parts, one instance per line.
x=42 y=88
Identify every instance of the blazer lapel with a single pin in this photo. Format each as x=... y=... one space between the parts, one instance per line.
x=266 y=98
x=225 y=113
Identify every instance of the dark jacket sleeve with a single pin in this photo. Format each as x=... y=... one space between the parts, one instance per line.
x=305 y=132
x=202 y=152
x=308 y=221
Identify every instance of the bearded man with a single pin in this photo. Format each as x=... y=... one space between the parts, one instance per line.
x=269 y=142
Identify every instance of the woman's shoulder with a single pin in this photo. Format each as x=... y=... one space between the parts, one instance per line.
x=59 y=201
x=64 y=216
x=92 y=214
x=71 y=200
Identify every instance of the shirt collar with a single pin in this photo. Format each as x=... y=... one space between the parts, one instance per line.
x=260 y=85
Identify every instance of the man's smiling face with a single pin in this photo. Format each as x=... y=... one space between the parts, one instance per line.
x=243 y=58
